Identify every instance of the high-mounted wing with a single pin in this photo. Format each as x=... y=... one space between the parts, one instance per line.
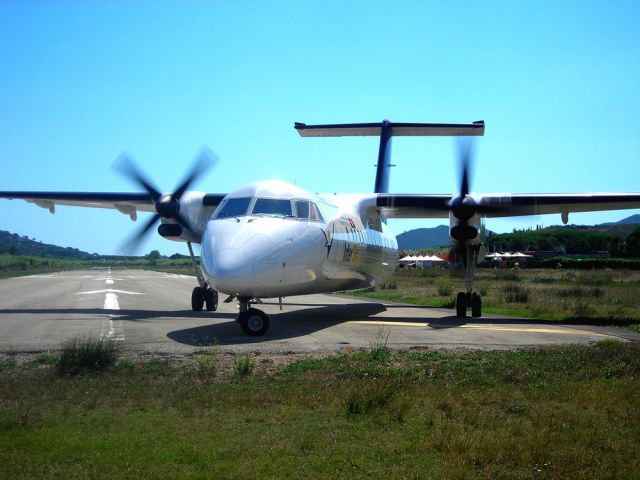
x=505 y=205
x=127 y=203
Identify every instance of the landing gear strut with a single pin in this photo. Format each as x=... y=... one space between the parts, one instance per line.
x=469 y=298
x=253 y=322
x=203 y=295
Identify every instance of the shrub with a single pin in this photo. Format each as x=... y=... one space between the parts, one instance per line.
x=367 y=398
x=445 y=286
x=514 y=293
x=389 y=285
x=379 y=351
x=582 y=308
x=206 y=361
x=245 y=365
x=84 y=355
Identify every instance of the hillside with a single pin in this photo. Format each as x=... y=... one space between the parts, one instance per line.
x=424 y=238
x=14 y=244
x=632 y=220
x=572 y=238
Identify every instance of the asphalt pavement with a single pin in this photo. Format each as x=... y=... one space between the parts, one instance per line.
x=150 y=312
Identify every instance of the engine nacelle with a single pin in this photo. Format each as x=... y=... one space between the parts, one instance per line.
x=170 y=230
x=465 y=232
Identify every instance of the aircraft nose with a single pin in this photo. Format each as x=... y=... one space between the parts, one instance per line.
x=229 y=269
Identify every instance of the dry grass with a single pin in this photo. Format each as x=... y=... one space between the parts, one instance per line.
x=597 y=296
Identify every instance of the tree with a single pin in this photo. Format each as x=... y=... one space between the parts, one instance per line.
x=633 y=241
x=154 y=255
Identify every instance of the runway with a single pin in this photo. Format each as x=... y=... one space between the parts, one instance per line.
x=150 y=312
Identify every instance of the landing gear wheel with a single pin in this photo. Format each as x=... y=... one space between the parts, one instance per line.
x=211 y=300
x=253 y=322
x=197 y=299
x=476 y=304
x=461 y=305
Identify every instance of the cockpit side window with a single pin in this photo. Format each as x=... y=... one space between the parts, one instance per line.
x=314 y=213
x=234 y=207
x=272 y=206
x=302 y=209
x=307 y=210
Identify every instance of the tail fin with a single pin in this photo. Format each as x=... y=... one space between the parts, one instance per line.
x=385 y=131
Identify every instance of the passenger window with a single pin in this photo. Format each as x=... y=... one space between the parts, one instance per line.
x=235 y=207
x=272 y=206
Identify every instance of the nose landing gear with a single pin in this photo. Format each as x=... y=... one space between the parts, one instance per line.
x=253 y=322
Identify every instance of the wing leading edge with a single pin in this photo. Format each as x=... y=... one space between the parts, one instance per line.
x=505 y=205
x=127 y=203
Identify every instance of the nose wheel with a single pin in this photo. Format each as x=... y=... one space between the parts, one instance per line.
x=253 y=322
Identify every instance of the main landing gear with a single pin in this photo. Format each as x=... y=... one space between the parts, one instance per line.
x=469 y=298
x=202 y=295
x=464 y=300
x=253 y=322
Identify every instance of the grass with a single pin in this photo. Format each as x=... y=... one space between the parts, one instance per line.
x=561 y=412
x=86 y=355
x=592 y=296
x=245 y=365
x=20 y=265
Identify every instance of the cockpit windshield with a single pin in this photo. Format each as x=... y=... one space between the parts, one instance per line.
x=279 y=207
x=272 y=206
x=235 y=207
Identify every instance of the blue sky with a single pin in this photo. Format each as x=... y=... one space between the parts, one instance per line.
x=82 y=82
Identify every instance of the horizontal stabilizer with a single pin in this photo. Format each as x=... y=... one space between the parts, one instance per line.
x=397 y=129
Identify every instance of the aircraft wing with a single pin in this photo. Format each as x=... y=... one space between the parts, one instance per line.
x=127 y=203
x=506 y=205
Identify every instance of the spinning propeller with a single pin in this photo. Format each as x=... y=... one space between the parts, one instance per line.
x=463 y=207
x=167 y=205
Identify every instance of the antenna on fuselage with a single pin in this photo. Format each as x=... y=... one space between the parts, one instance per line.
x=385 y=130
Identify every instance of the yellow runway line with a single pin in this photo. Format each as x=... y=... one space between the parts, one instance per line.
x=561 y=331
x=490 y=328
x=384 y=323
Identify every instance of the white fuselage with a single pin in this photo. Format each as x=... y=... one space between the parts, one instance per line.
x=278 y=240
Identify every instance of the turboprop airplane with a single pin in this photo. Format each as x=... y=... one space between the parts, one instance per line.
x=272 y=239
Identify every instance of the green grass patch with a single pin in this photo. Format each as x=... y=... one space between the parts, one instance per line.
x=561 y=412
x=245 y=365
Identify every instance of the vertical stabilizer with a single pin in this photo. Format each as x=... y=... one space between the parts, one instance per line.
x=384 y=159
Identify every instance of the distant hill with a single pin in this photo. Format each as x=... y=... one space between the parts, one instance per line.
x=14 y=244
x=421 y=238
x=632 y=220
x=424 y=238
